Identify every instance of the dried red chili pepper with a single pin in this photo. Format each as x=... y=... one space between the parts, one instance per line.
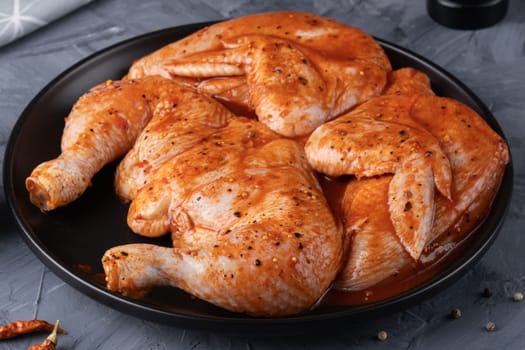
x=50 y=343
x=14 y=329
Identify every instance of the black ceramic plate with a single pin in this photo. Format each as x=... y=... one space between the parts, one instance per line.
x=71 y=240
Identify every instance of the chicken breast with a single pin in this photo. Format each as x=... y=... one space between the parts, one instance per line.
x=251 y=229
x=174 y=128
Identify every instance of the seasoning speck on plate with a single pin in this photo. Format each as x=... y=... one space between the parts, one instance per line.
x=382 y=335
x=490 y=326
x=455 y=313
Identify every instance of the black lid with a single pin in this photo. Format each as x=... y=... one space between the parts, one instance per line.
x=467 y=14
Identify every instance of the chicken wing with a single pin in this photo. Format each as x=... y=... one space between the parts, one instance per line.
x=374 y=252
x=293 y=89
x=364 y=147
x=299 y=69
x=102 y=126
x=319 y=33
x=251 y=229
x=477 y=156
x=408 y=81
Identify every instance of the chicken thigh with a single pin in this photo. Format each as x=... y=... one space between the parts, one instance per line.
x=104 y=124
x=251 y=229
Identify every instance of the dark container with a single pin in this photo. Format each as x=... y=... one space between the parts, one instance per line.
x=467 y=14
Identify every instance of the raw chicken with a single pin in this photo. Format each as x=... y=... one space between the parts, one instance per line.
x=294 y=70
x=477 y=156
x=375 y=252
x=319 y=33
x=408 y=81
x=251 y=229
x=292 y=88
x=174 y=128
x=356 y=145
x=102 y=126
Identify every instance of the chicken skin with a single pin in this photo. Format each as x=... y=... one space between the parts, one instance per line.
x=251 y=229
x=294 y=70
x=102 y=126
x=174 y=128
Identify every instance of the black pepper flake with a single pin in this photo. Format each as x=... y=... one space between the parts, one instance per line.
x=174 y=105
x=277 y=243
x=303 y=80
x=402 y=132
x=237 y=214
x=257 y=262
x=408 y=206
x=297 y=234
x=487 y=293
x=300 y=245
x=124 y=253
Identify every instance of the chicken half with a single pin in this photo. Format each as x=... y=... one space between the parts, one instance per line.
x=251 y=229
x=294 y=70
x=105 y=123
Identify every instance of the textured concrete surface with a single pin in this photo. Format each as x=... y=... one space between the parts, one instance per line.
x=490 y=61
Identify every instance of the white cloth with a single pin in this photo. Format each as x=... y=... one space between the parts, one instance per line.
x=21 y=17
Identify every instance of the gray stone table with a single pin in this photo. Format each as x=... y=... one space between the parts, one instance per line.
x=490 y=61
